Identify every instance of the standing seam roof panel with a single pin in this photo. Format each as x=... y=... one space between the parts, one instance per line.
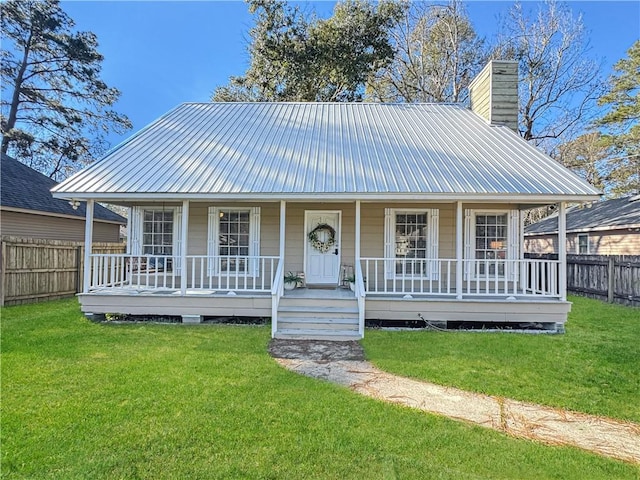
x=311 y=148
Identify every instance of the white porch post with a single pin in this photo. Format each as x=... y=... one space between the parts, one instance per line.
x=459 y=240
x=283 y=213
x=357 y=245
x=357 y=268
x=275 y=296
x=183 y=251
x=562 y=250
x=88 y=240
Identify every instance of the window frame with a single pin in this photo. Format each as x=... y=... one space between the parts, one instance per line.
x=432 y=247
x=512 y=253
x=153 y=234
x=578 y=237
x=135 y=237
x=213 y=240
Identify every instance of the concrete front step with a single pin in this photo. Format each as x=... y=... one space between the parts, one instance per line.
x=302 y=334
x=318 y=319
x=319 y=323
x=328 y=312
x=318 y=302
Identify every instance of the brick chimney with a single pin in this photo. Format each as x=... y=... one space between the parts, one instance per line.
x=494 y=93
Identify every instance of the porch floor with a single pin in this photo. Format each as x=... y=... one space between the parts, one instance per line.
x=323 y=293
x=191 y=292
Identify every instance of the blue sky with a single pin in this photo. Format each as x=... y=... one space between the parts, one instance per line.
x=162 y=53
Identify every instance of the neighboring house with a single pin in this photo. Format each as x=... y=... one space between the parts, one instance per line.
x=27 y=209
x=610 y=227
x=422 y=201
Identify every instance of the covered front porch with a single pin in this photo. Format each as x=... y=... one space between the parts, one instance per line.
x=438 y=277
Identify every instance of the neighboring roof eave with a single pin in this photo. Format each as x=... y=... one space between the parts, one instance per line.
x=60 y=215
x=613 y=214
x=631 y=226
x=23 y=188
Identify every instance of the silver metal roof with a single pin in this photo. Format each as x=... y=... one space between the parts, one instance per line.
x=336 y=150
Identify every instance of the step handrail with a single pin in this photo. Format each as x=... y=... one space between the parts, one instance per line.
x=277 y=290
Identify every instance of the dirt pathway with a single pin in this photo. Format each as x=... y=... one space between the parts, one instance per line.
x=343 y=363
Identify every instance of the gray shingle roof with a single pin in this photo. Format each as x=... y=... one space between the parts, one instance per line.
x=22 y=187
x=331 y=149
x=616 y=213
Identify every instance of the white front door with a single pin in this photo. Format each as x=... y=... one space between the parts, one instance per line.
x=322 y=261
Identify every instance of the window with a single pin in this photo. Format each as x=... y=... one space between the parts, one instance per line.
x=411 y=243
x=492 y=237
x=411 y=237
x=491 y=242
x=156 y=231
x=234 y=237
x=583 y=244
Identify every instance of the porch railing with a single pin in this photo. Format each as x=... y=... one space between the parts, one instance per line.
x=277 y=290
x=239 y=273
x=437 y=277
x=249 y=273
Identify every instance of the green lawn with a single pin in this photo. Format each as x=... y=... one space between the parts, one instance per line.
x=594 y=367
x=99 y=401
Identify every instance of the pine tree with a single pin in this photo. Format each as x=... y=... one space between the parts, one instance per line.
x=55 y=107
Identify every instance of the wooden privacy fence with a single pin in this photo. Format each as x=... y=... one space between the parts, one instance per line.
x=33 y=270
x=613 y=278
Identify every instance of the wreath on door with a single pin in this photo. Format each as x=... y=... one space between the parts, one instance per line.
x=323 y=237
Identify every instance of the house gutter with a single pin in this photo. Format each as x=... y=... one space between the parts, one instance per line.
x=489 y=197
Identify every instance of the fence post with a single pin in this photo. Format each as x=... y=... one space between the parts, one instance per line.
x=612 y=280
x=79 y=277
x=3 y=262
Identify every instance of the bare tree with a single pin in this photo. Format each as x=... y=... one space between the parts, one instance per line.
x=559 y=82
x=437 y=54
